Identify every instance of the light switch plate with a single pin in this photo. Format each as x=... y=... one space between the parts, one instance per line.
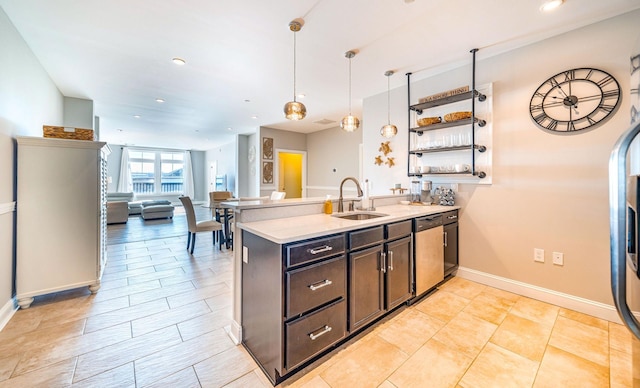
x=538 y=255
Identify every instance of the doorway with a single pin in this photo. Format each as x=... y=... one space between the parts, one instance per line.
x=291 y=177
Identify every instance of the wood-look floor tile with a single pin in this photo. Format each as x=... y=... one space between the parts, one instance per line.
x=126 y=314
x=225 y=367
x=170 y=317
x=154 y=262
x=71 y=347
x=120 y=377
x=155 y=276
x=205 y=273
x=466 y=333
x=463 y=287
x=8 y=365
x=166 y=362
x=198 y=294
x=124 y=352
x=498 y=367
x=128 y=273
x=434 y=365
x=367 y=366
x=35 y=339
x=411 y=330
x=315 y=382
x=127 y=291
x=84 y=309
x=55 y=375
x=442 y=305
x=583 y=340
x=523 y=336
x=113 y=283
x=564 y=369
x=535 y=310
x=205 y=323
x=160 y=293
x=185 y=378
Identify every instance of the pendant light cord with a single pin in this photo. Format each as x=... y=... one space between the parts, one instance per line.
x=349 y=86
x=388 y=100
x=294 y=66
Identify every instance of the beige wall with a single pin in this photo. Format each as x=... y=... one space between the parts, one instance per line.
x=549 y=191
x=285 y=140
x=333 y=154
x=28 y=99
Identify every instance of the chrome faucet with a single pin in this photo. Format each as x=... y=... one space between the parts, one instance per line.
x=340 y=200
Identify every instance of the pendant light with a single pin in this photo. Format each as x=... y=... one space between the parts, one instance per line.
x=294 y=110
x=350 y=123
x=389 y=130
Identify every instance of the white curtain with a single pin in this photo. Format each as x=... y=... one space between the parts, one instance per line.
x=125 y=184
x=188 y=188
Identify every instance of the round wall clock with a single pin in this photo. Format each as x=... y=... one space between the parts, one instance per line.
x=575 y=100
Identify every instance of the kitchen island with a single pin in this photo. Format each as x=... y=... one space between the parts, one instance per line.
x=281 y=246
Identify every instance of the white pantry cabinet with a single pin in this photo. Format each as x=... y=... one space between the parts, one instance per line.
x=61 y=216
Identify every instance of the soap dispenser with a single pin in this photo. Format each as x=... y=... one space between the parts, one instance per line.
x=328 y=205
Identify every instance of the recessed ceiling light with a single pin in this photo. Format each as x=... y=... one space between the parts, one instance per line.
x=550 y=5
x=229 y=129
x=254 y=117
x=178 y=61
x=160 y=100
x=247 y=100
x=120 y=130
x=136 y=116
x=302 y=95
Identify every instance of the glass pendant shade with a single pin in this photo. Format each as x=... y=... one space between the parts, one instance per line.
x=294 y=110
x=389 y=131
x=350 y=123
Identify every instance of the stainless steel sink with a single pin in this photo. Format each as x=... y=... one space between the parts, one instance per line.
x=358 y=216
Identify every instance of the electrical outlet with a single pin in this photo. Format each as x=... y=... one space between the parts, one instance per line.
x=538 y=255
x=558 y=258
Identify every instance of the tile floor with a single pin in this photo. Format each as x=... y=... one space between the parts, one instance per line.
x=160 y=320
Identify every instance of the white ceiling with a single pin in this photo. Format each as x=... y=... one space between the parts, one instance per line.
x=239 y=55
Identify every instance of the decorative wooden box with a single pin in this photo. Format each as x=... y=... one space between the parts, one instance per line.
x=67 y=133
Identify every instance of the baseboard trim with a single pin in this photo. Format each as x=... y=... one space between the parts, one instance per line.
x=585 y=306
x=7 y=207
x=235 y=332
x=6 y=312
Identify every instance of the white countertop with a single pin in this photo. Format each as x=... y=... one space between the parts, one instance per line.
x=285 y=230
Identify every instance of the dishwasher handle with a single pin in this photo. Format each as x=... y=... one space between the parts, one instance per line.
x=427 y=222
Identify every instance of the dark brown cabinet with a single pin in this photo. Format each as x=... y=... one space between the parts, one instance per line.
x=380 y=262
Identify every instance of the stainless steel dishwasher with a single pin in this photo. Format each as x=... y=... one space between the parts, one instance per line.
x=429 y=252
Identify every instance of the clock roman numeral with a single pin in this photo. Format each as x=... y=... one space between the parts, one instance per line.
x=569 y=75
x=611 y=94
x=553 y=82
x=606 y=107
x=553 y=124
x=540 y=118
x=605 y=81
x=534 y=108
x=571 y=126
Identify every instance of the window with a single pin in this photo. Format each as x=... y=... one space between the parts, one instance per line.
x=156 y=172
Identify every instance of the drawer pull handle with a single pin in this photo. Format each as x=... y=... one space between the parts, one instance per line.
x=390 y=260
x=323 y=331
x=321 y=284
x=315 y=251
x=452 y=217
x=383 y=258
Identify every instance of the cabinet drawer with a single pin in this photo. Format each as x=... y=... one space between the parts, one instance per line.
x=312 y=286
x=449 y=217
x=399 y=229
x=366 y=237
x=307 y=336
x=314 y=250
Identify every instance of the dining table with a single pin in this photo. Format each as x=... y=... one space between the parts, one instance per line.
x=223 y=215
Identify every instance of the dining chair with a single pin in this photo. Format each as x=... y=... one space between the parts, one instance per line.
x=201 y=226
x=275 y=195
